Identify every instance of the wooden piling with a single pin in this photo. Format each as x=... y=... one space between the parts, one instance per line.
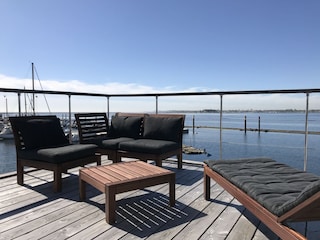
x=193 y=124
x=245 y=124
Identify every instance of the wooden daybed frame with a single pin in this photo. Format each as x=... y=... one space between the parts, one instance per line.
x=308 y=210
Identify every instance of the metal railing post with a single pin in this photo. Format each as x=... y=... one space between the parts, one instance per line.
x=220 y=146
x=108 y=108
x=156 y=104
x=70 y=125
x=19 y=103
x=306 y=134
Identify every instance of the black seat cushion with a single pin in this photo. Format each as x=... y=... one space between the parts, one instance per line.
x=123 y=126
x=59 y=154
x=39 y=133
x=109 y=143
x=274 y=185
x=148 y=146
x=113 y=143
x=162 y=128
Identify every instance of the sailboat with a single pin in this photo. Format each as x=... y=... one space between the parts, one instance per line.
x=6 y=131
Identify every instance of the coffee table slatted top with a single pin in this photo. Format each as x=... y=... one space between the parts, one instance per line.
x=124 y=176
x=121 y=173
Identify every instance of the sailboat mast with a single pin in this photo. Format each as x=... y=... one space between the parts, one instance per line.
x=33 y=99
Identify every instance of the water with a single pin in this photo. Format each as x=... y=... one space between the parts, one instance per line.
x=287 y=148
x=8 y=156
x=283 y=147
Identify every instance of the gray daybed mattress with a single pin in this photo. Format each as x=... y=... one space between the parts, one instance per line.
x=274 y=185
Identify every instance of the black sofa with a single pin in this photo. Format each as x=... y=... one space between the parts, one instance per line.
x=133 y=135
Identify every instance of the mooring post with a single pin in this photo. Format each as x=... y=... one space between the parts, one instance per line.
x=193 y=124
x=245 y=124
x=259 y=124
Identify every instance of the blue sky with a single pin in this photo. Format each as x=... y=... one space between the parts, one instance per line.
x=135 y=46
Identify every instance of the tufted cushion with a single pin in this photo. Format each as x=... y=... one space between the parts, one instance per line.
x=162 y=128
x=274 y=185
x=122 y=126
x=148 y=146
x=59 y=154
x=38 y=133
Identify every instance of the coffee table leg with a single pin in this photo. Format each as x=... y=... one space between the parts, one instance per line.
x=82 y=189
x=110 y=206
x=172 y=189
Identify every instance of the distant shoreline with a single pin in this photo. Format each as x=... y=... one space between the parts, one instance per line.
x=198 y=111
x=246 y=111
x=257 y=130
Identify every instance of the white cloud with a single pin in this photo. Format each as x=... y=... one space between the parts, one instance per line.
x=79 y=103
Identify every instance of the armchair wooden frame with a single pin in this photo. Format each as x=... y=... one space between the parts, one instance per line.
x=92 y=126
x=57 y=168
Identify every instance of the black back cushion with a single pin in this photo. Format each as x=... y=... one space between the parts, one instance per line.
x=162 y=128
x=41 y=133
x=124 y=126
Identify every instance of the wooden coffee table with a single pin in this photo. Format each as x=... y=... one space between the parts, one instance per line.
x=122 y=177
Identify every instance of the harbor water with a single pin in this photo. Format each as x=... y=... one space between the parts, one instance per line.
x=279 y=145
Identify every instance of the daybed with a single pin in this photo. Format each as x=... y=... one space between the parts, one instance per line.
x=41 y=143
x=274 y=192
x=134 y=135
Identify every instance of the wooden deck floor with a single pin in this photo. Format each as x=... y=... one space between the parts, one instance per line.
x=33 y=211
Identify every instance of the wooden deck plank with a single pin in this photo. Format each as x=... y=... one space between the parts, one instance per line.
x=76 y=213
x=211 y=213
x=263 y=232
x=181 y=209
x=194 y=203
x=139 y=226
x=244 y=227
x=226 y=220
x=88 y=231
x=33 y=211
x=183 y=176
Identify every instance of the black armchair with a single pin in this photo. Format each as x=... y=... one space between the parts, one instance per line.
x=41 y=143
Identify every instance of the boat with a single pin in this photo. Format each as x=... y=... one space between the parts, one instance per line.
x=192 y=150
x=1 y=125
x=74 y=134
x=6 y=132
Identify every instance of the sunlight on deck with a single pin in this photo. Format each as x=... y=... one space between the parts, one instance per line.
x=33 y=211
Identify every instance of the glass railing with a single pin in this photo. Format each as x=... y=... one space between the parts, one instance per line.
x=218 y=105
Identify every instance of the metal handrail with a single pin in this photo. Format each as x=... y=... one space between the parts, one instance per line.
x=306 y=90
x=157 y=95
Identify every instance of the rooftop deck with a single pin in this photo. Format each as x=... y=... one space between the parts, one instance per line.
x=33 y=211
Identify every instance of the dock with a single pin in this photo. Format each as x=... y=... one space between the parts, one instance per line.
x=34 y=211
x=256 y=130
